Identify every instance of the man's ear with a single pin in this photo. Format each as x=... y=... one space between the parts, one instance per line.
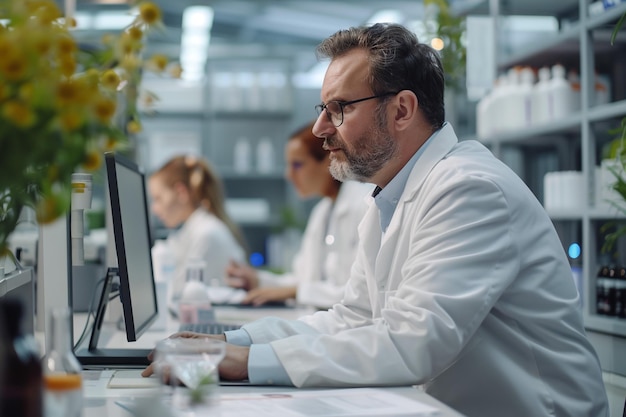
x=406 y=108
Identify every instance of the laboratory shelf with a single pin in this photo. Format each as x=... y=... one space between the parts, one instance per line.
x=607 y=111
x=566 y=127
x=524 y=7
x=576 y=141
x=606 y=324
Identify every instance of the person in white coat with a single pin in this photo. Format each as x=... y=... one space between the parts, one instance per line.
x=321 y=267
x=188 y=197
x=461 y=284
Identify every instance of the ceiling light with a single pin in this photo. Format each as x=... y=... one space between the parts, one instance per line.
x=198 y=18
x=386 y=16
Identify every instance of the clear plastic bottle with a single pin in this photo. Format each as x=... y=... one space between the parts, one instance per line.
x=20 y=366
x=195 y=305
x=63 y=384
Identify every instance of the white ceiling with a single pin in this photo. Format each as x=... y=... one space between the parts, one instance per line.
x=289 y=28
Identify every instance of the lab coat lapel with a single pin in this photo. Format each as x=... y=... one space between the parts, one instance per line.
x=370 y=234
x=436 y=150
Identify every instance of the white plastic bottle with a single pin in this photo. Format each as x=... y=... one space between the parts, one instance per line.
x=560 y=93
x=265 y=156
x=495 y=109
x=523 y=97
x=509 y=116
x=242 y=155
x=574 y=81
x=195 y=305
x=540 y=103
x=602 y=89
x=483 y=119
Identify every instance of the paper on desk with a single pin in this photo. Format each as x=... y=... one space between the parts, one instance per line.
x=131 y=378
x=226 y=295
x=327 y=403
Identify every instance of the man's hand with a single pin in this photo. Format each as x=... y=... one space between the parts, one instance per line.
x=191 y=335
x=234 y=366
x=261 y=296
x=241 y=276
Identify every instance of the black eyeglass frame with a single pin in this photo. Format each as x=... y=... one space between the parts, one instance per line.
x=324 y=106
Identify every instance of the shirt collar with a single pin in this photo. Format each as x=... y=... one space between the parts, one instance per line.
x=387 y=198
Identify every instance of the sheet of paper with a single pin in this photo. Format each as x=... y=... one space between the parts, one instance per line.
x=131 y=378
x=327 y=403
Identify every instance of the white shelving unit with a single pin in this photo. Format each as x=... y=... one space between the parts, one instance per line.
x=219 y=111
x=582 y=43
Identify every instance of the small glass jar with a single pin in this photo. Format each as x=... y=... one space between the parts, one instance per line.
x=63 y=383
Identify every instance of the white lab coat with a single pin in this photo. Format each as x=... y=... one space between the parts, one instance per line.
x=202 y=237
x=469 y=293
x=320 y=271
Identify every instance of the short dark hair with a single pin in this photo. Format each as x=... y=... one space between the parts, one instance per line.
x=398 y=61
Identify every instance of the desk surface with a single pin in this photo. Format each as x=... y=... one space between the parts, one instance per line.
x=101 y=401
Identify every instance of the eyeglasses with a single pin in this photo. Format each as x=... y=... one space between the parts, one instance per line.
x=334 y=108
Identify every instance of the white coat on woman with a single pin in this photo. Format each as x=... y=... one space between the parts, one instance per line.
x=321 y=267
x=455 y=318
x=202 y=237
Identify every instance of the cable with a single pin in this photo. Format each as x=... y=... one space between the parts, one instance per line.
x=83 y=334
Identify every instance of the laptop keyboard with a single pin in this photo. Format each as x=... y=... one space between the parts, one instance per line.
x=208 y=328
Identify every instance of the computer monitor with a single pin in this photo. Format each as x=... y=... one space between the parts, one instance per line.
x=137 y=289
x=131 y=228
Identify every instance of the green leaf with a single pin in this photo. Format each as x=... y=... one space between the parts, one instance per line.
x=617 y=27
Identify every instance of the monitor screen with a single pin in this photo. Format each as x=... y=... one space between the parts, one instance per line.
x=129 y=215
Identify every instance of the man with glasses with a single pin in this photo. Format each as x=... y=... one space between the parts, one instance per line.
x=460 y=284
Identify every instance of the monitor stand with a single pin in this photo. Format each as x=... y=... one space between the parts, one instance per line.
x=94 y=357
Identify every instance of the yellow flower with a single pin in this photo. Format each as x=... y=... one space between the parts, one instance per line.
x=149 y=12
x=110 y=79
x=175 y=70
x=48 y=209
x=67 y=93
x=133 y=127
x=104 y=109
x=131 y=63
x=18 y=113
x=58 y=103
x=109 y=144
x=66 y=45
x=14 y=66
x=71 y=120
x=67 y=65
x=93 y=160
x=135 y=33
x=127 y=45
x=25 y=92
x=46 y=11
x=157 y=63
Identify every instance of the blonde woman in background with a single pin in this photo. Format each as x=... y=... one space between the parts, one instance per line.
x=322 y=265
x=187 y=196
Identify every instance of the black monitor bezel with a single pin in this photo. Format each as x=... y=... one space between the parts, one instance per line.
x=133 y=330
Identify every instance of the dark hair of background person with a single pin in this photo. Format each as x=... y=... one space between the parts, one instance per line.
x=398 y=61
x=313 y=144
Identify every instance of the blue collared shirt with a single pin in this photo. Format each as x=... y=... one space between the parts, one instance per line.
x=387 y=198
x=264 y=367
